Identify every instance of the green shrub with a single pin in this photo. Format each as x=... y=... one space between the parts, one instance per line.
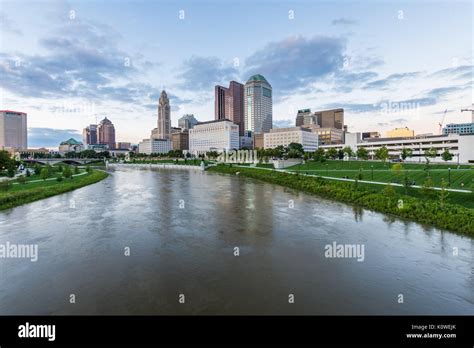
x=44 y=173
x=5 y=185
x=67 y=172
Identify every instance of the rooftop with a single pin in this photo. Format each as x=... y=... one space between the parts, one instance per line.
x=256 y=78
x=71 y=141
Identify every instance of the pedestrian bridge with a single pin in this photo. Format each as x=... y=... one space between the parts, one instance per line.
x=53 y=161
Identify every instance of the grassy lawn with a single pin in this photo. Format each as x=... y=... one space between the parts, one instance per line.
x=18 y=194
x=462 y=178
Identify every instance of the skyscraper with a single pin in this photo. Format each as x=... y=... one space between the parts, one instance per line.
x=229 y=104
x=187 y=121
x=258 y=105
x=333 y=118
x=164 y=122
x=13 y=129
x=306 y=117
x=106 y=132
x=89 y=135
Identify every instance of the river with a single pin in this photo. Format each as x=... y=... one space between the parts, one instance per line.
x=181 y=229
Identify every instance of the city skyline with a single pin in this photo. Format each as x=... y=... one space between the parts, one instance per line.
x=85 y=66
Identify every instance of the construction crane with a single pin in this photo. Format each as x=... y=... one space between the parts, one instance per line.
x=442 y=122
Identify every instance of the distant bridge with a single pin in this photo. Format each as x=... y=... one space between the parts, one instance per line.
x=53 y=161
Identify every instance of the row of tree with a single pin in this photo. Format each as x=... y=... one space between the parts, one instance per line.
x=381 y=154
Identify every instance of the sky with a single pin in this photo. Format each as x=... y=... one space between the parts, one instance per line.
x=387 y=63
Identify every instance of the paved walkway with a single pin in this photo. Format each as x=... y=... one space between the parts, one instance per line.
x=50 y=179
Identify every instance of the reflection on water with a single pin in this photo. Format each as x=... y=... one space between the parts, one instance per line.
x=182 y=228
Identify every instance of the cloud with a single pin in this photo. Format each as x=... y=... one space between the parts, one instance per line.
x=442 y=92
x=427 y=98
x=8 y=26
x=296 y=62
x=457 y=72
x=203 y=73
x=397 y=121
x=346 y=81
x=50 y=137
x=82 y=59
x=344 y=21
x=283 y=123
x=383 y=83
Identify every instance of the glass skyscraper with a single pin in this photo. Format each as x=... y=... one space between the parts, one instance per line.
x=258 y=105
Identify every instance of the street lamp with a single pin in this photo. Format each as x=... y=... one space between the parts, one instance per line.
x=372 y=166
x=449 y=177
x=327 y=173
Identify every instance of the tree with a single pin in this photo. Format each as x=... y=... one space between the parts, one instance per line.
x=37 y=169
x=278 y=151
x=340 y=154
x=5 y=160
x=88 y=154
x=11 y=171
x=294 y=150
x=44 y=174
x=67 y=172
x=331 y=153
x=76 y=170
x=318 y=155
x=362 y=153
x=406 y=153
x=427 y=188
x=382 y=154
x=88 y=168
x=430 y=153
x=348 y=151
x=397 y=169
x=446 y=155
x=443 y=193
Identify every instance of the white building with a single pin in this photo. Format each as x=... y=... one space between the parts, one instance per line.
x=258 y=105
x=460 y=146
x=286 y=136
x=13 y=129
x=150 y=145
x=218 y=135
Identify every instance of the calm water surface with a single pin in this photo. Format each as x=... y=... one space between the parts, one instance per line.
x=82 y=236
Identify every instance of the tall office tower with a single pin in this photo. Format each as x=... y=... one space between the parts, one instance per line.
x=258 y=105
x=229 y=104
x=164 y=121
x=13 y=129
x=333 y=118
x=306 y=117
x=187 y=121
x=106 y=132
x=89 y=135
